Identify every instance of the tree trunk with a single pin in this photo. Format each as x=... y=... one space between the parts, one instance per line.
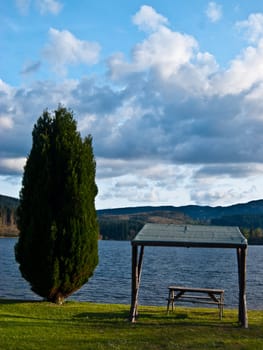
x=57 y=299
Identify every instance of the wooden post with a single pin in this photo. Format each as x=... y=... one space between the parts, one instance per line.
x=242 y=309
x=136 y=278
x=133 y=283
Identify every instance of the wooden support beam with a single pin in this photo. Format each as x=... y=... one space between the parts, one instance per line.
x=136 y=279
x=242 y=309
x=133 y=283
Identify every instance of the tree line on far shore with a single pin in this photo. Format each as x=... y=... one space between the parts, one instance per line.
x=125 y=227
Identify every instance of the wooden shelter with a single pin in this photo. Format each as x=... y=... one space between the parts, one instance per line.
x=171 y=235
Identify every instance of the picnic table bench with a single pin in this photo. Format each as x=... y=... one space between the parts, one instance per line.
x=212 y=296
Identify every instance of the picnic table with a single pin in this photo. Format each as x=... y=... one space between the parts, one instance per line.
x=196 y=295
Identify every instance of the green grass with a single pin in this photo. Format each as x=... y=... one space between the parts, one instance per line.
x=82 y=325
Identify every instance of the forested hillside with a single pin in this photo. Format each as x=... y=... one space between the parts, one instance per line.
x=124 y=223
x=126 y=226
x=251 y=225
x=196 y=212
x=8 y=207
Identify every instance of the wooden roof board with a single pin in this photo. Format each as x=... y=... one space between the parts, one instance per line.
x=190 y=236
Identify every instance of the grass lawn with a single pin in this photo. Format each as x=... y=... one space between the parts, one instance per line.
x=82 y=325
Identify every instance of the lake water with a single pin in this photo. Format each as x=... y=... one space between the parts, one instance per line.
x=162 y=266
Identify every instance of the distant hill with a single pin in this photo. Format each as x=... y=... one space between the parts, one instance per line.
x=124 y=223
x=10 y=202
x=126 y=226
x=196 y=212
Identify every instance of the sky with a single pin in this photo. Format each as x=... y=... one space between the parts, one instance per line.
x=171 y=92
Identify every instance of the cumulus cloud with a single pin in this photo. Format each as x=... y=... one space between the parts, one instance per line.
x=148 y=19
x=142 y=133
x=167 y=122
x=223 y=193
x=142 y=182
x=214 y=11
x=189 y=112
x=234 y=170
x=164 y=51
x=253 y=27
x=215 y=196
x=173 y=56
x=244 y=72
x=12 y=166
x=6 y=122
x=64 y=48
x=5 y=88
x=19 y=110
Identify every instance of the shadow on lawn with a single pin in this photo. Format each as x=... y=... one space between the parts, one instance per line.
x=160 y=318
x=18 y=301
x=147 y=317
x=103 y=316
x=192 y=318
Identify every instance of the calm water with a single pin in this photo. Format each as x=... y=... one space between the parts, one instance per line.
x=111 y=283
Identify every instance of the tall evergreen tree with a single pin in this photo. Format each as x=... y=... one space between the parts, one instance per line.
x=58 y=243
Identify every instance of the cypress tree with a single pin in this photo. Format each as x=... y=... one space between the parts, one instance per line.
x=57 y=249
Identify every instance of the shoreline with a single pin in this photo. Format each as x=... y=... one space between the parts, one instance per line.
x=9 y=235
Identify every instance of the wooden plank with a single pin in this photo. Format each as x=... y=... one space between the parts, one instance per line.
x=191 y=296
x=194 y=289
x=194 y=301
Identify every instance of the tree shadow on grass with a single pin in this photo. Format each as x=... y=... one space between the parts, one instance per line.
x=183 y=320
x=103 y=316
x=18 y=301
x=149 y=318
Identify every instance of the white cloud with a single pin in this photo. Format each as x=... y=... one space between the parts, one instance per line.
x=227 y=190
x=5 y=123
x=148 y=19
x=64 y=48
x=164 y=51
x=5 y=88
x=244 y=72
x=142 y=182
x=10 y=185
x=49 y=6
x=175 y=128
x=214 y=11
x=253 y=26
x=12 y=165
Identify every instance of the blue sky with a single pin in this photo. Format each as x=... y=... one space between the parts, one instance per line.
x=171 y=92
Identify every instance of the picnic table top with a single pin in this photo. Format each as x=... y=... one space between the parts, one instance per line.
x=195 y=289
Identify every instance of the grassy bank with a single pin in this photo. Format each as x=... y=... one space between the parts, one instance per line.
x=82 y=325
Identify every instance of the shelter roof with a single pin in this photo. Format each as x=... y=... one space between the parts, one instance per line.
x=190 y=236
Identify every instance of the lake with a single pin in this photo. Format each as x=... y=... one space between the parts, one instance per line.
x=162 y=266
